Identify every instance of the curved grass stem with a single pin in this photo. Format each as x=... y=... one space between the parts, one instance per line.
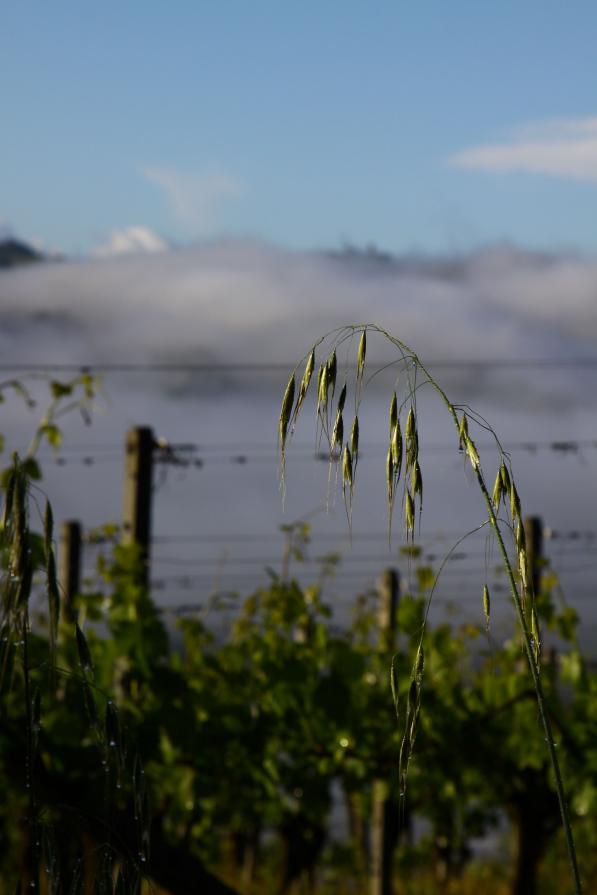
x=408 y=356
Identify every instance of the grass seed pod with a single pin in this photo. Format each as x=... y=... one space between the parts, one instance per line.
x=332 y=366
x=409 y=512
x=337 y=432
x=396 y=448
x=342 y=399
x=486 y=605
x=410 y=423
x=347 y=466
x=286 y=411
x=393 y=412
x=514 y=502
x=472 y=452
x=362 y=352
x=505 y=478
x=304 y=386
x=416 y=481
x=354 y=438
x=323 y=388
x=390 y=475
x=463 y=431
x=498 y=490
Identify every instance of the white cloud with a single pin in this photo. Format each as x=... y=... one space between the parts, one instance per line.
x=560 y=148
x=132 y=240
x=194 y=198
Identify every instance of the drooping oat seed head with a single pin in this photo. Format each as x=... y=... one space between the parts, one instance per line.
x=362 y=352
x=342 y=399
x=410 y=423
x=486 y=605
x=416 y=482
x=285 y=413
x=514 y=502
x=498 y=491
x=304 y=386
x=396 y=448
x=471 y=452
x=323 y=390
x=354 y=439
x=409 y=513
x=463 y=431
x=393 y=412
x=390 y=478
x=332 y=366
x=505 y=478
x=337 y=432
x=347 y=471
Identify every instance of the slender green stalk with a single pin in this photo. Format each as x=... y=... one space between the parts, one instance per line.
x=408 y=357
x=527 y=640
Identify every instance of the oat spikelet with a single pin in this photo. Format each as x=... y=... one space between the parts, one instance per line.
x=337 y=432
x=323 y=389
x=505 y=475
x=410 y=423
x=416 y=482
x=409 y=513
x=396 y=448
x=354 y=439
x=471 y=452
x=390 y=477
x=486 y=606
x=393 y=412
x=498 y=490
x=514 y=502
x=286 y=412
x=342 y=399
x=332 y=366
x=361 y=355
x=304 y=386
x=463 y=431
x=412 y=439
x=347 y=467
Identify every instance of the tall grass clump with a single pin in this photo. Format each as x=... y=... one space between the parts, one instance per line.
x=404 y=483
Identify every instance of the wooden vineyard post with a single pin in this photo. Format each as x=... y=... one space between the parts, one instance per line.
x=384 y=823
x=69 y=564
x=138 y=478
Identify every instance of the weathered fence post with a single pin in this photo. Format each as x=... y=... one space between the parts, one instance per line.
x=383 y=824
x=69 y=564
x=138 y=477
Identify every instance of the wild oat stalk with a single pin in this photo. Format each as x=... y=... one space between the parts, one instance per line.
x=403 y=451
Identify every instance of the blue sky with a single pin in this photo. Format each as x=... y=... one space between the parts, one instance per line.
x=431 y=126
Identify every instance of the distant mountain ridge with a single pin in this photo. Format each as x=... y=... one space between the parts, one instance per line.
x=14 y=252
